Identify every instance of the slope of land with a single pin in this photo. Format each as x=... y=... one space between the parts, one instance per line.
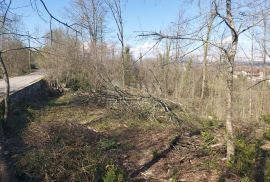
x=71 y=137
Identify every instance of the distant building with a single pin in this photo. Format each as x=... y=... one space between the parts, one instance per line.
x=255 y=73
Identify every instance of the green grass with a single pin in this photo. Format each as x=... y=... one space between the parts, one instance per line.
x=62 y=100
x=155 y=154
x=107 y=144
x=265 y=118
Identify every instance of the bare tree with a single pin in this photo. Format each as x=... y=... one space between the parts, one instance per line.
x=6 y=22
x=264 y=40
x=210 y=21
x=6 y=8
x=90 y=17
x=116 y=9
x=230 y=56
x=229 y=51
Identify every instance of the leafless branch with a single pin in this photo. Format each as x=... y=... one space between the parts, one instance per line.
x=5 y=15
x=259 y=82
x=56 y=19
x=149 y=50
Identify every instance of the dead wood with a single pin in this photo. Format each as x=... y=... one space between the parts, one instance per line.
x=146 y=106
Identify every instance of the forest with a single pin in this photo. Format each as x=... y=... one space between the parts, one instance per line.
x=185 y=100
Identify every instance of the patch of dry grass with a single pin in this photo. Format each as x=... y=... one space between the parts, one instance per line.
x=57 y=146
x=62 y=151
x=73 y=140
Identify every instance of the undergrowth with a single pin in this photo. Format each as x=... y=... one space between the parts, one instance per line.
x=65 y=151
x=250 y=162
x=57 y=147
x=113 y=174
x=60 y=147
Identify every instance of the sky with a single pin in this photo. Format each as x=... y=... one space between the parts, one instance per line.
x=139 y=15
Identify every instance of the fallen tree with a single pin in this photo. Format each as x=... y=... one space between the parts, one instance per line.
x=145 y=106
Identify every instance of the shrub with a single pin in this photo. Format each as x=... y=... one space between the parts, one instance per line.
x=208 y=138
x=107 y=144
x=78 y=82
x=113 y=174
x=266 y=118
x=174 y=179
x=243 y=162
x=267 y=170
x=245 y=179
x=266 y=135
x=155 y=154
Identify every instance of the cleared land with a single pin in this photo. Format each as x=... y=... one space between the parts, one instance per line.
x=74 y=138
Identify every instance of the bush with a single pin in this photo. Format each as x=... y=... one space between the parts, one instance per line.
x=266 y=135
x=266 y=118
x=243 y=162
x=113 y=174
x=107 y=144
x=174 y=179
x=208 y=138
x=155 y=154
x=245 y=179
x=78 y=82
x=267 y=170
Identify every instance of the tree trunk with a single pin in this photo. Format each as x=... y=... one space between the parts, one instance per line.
x=166 y=75
x=123 y=65
x=6 y=96
x=115 y=7
x=205 y=62
x=94 y=47
x=264 y=47
x=205 y=56
x=251 y=69
x=229 y=128
x=230 y=60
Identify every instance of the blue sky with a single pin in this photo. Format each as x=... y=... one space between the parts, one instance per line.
x=139 y=15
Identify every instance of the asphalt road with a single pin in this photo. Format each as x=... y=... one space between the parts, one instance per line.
x=19 y=82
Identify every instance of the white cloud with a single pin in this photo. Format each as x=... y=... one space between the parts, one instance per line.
x=227 y=40
x=143 y=49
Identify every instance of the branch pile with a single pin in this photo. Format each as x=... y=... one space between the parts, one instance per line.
x=144 y=106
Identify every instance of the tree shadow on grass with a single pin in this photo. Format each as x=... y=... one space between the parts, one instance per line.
x=260 y=165
x=38 y=149
x=12 y=143
x=159 y=156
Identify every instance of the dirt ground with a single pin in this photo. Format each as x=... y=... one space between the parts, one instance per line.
x=146 y=150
